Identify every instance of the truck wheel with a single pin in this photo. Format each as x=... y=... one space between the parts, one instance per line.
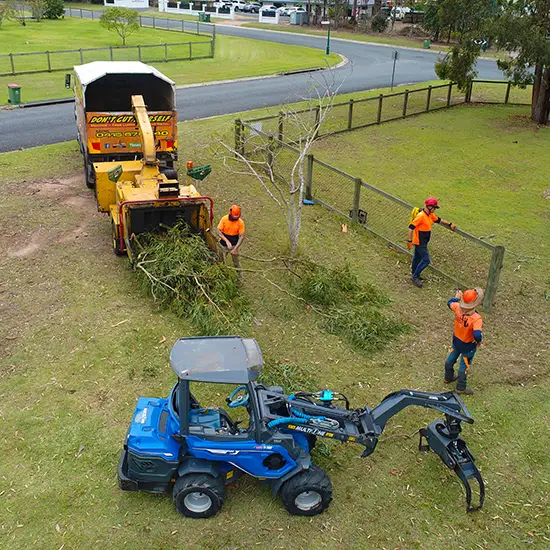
x=89 y=174
x=116 y=242
x=308 y=493
x=198 y=495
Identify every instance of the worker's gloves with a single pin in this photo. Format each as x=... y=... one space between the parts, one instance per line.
x=409 y=244
x=452 y=226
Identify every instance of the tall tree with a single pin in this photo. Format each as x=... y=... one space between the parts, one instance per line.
x=520 y=29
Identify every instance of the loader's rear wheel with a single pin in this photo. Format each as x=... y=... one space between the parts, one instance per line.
x=198 y=495
x=308 y=493
x=116 y=243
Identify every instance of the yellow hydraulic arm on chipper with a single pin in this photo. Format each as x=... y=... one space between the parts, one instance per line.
x=142 y=198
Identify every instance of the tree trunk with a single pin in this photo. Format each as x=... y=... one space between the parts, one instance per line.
x=542 y=103
x=376 y=7
x=536 y=88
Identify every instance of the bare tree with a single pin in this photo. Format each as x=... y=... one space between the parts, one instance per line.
x=280 y=165
x=38 y=8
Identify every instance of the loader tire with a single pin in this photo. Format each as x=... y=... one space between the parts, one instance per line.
x=308 y=493
x=198 y=495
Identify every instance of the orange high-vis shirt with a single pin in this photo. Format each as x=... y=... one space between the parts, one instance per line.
x=228 y=227
x=422 y=226
x=465 y=324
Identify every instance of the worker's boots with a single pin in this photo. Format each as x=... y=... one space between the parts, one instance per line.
x=465 y=391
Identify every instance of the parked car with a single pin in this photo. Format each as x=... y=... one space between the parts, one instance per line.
x=398 y=13
x=237 y=6
x=272 y=8
x=252 y=7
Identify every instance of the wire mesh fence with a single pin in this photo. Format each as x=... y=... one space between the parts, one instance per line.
x=458 y=256
x=359 y=113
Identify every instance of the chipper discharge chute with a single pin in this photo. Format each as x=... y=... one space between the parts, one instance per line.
x=142 y=198
x=181 y=447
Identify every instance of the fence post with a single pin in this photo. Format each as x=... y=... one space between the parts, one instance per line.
x=428 y=98
x=198 y=32
x=239 y=137
x=449 y=94
x=468 y=97
x=92 y=14
x=49 y=63
x=379 y=115
x=405 y=102
x=350 y=114
x=356 y=198
x=80 y=13
x=81 y=57
x=182 y=26
x=190 y=50
x=139 y=52
x=317 y=119
x=166 y=52
x=270 y=152
x=507 y=93
x=497 y=260
x=140 y=22
x=12 y=65
x=309 y=177
x=281 y=135
x=154 y=19
x=70 y=12
x=111 y=50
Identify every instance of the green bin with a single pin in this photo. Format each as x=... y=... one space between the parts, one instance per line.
x=14 y=94
x=201 y=16
x=207 y=18
x=427 y=44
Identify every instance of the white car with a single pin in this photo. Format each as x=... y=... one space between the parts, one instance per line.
x=238 y=6
x=399 y=13
x=273 y=8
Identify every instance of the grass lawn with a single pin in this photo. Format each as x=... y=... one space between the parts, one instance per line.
x=234 y=58
x=81 y=343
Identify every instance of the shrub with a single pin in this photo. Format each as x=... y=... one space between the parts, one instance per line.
x=380 y=22
x=55 y=9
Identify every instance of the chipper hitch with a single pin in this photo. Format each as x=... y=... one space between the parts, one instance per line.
x=315 y=414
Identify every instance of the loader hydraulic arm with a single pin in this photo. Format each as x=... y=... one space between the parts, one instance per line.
x=316 y=414
x=147 y=136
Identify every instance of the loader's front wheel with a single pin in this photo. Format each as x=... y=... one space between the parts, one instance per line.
x=89 y=172
x=308 y=493
x=116 y=242
x=198 y=495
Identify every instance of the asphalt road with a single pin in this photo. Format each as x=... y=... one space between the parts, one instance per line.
x=370 y=66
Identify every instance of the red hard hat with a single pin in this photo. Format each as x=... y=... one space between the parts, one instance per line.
x=235 y=211
x=431 y=201
x=469 y=295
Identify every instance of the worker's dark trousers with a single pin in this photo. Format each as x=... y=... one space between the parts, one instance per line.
x=463 y=368
x=421 y=259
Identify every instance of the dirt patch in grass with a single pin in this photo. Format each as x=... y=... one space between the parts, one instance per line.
x=546 y=194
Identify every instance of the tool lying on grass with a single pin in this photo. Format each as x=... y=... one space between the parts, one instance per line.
x=176 y=446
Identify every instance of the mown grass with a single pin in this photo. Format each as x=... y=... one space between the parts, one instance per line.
x=81 y=343
x=234 y=57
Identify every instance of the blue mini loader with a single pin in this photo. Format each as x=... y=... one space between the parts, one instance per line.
x=179 y=447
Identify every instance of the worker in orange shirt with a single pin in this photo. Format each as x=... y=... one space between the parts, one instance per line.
x=231 y=233
x=467 y=336
x=420 y=231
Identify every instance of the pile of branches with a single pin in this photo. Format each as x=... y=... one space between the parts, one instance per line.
x=349 y=309
x=181 y=272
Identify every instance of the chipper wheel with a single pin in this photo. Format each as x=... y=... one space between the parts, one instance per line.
x=198 y=495
x=308 y=493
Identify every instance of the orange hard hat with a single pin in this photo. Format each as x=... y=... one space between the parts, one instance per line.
x=469 y=296
x=235 y=210
x=431 y=201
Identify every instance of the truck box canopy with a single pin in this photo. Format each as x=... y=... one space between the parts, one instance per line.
x=108 y=86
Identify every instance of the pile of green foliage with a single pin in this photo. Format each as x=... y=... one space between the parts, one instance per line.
x=350 y=310
x=182 y=273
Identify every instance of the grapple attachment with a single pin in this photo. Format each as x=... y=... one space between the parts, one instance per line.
x=443 y=438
